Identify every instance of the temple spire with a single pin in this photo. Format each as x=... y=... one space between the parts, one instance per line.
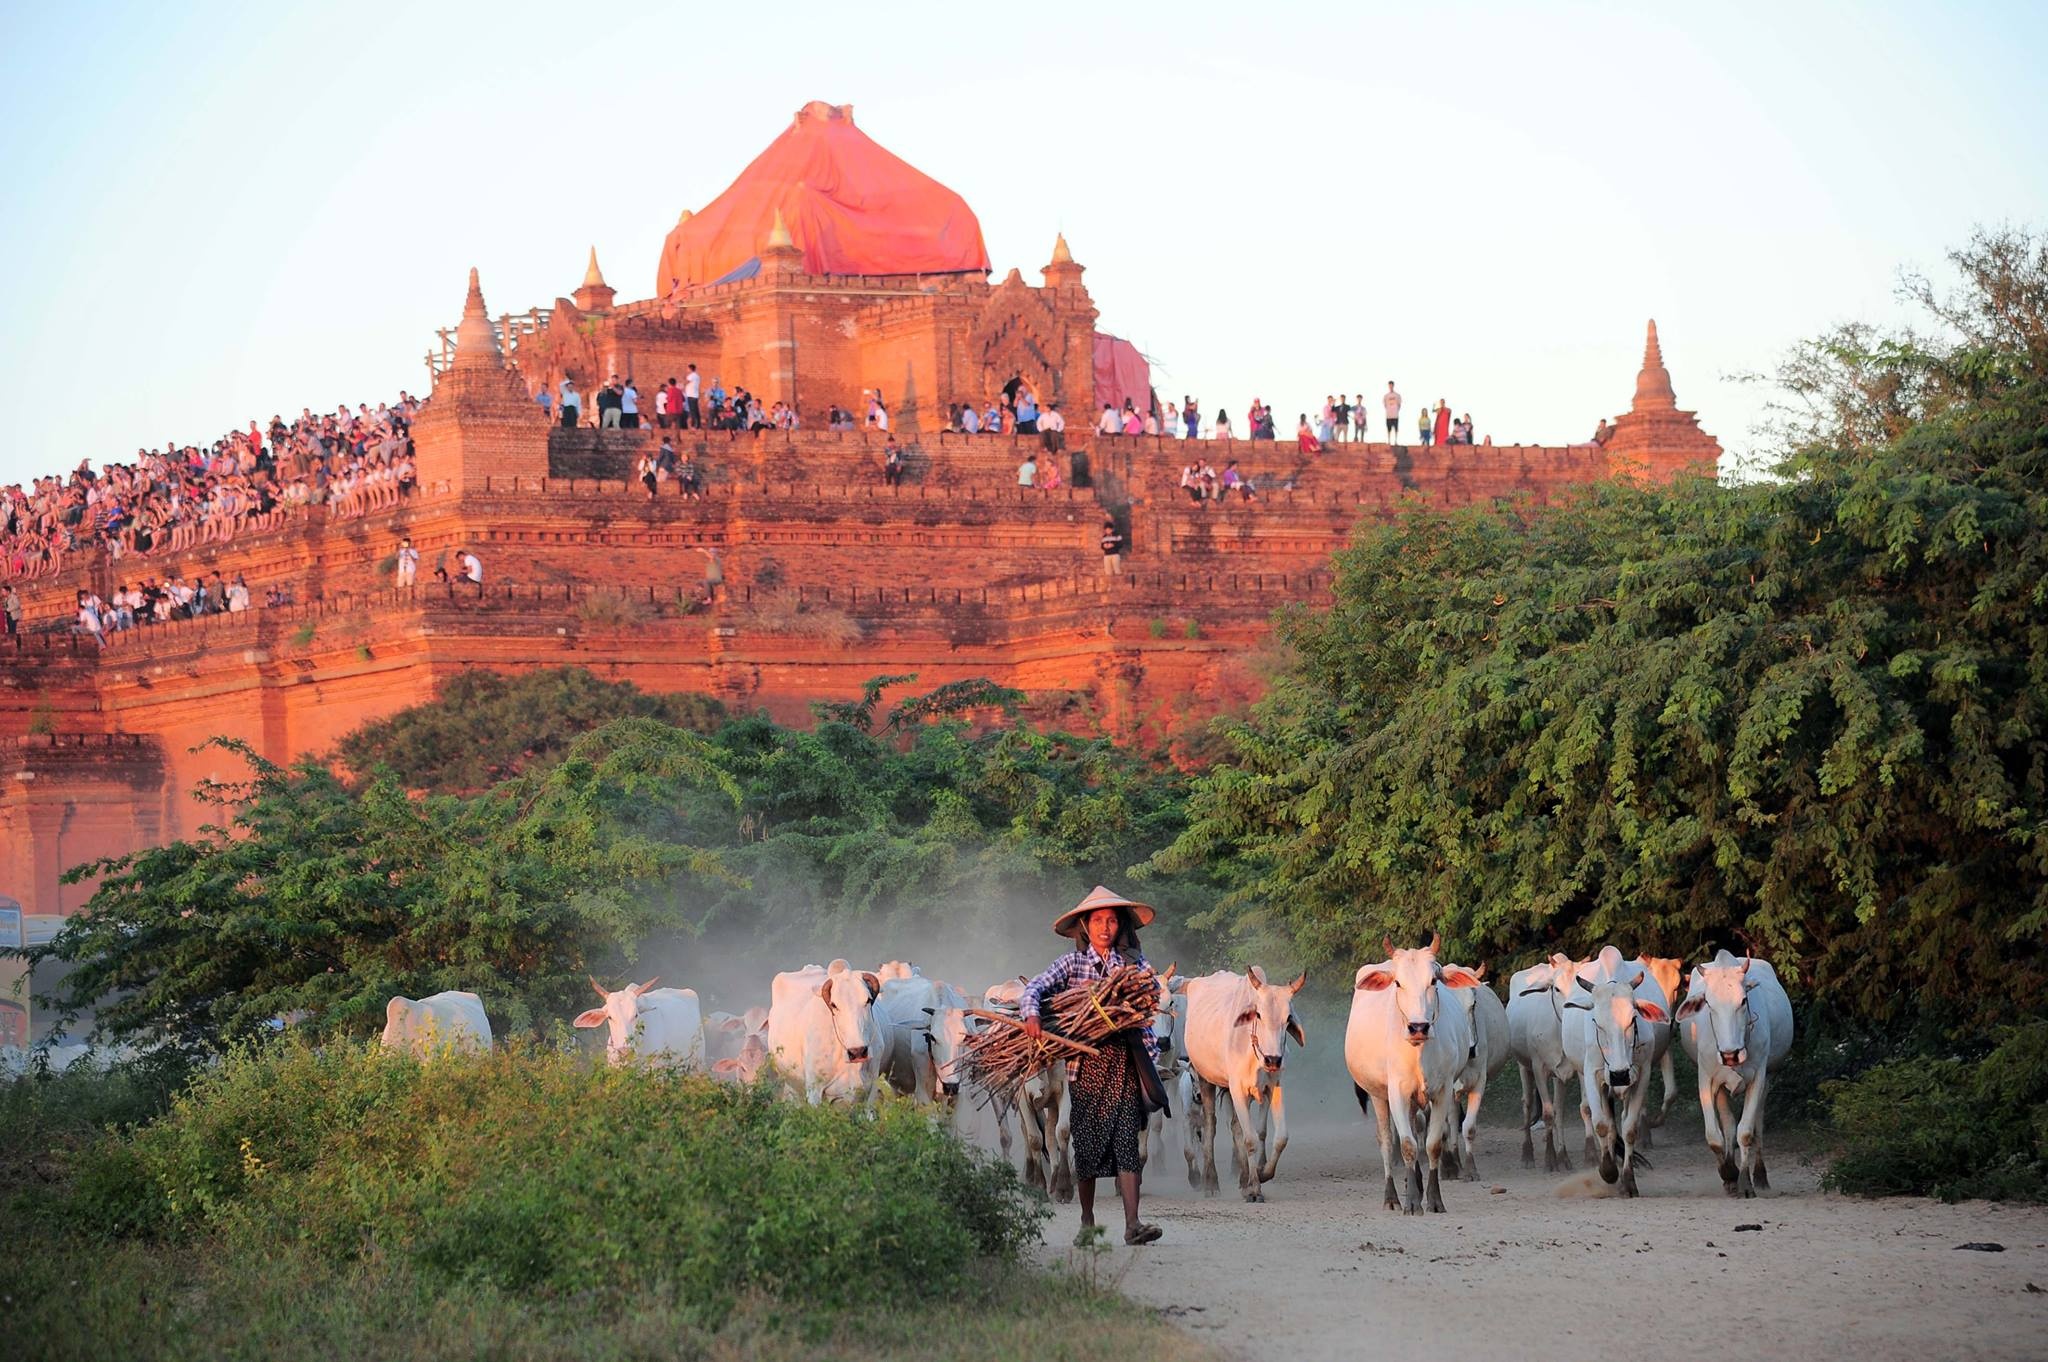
x=476 y=340
x=1061 y=272
x=778 y=235
x=593 y=294
x=1060 y=254
x=1653 y=384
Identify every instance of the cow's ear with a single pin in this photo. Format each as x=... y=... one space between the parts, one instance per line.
x=1257 y=976
x=395 y=1009
x=1580 y=981
x=874 y=984
x=1651 y=1012
x=1294 y=1030
x=1299 y=980
x=1373 y=980
x=594 y=1017
x=1691 y=1005
x=825 y=991
x=726 y=1066
x=1171 y=970
x=733 y=1024
x=1457 y=976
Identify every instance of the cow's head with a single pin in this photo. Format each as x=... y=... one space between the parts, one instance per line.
x=1414 y=975
x=1615 y=1012
x=849 y=996
x=945 y=1038
x=1468 y=998
x=753 y=1057
x=621 y=1011
x=1722 y=992
x=1269 y=1015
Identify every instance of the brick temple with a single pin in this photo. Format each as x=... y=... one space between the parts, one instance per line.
x=830 y=576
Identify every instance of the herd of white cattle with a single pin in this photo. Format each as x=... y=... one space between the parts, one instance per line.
x=1423 y=1040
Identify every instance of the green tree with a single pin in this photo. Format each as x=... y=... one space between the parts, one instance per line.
x=486 y=726
x=1806 y=713
x=320 y=900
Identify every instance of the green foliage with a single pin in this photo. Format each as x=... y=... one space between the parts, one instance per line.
x=1810 y=714
x=532 y=1171
x=349 y=1203
x=322 y=900
x=319 y=899
x=302 y=636
x=485 y=726
x=1947 y=1127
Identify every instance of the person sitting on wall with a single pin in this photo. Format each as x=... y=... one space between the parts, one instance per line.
x=970 y=419
x=992 y=419
x=1111 y=423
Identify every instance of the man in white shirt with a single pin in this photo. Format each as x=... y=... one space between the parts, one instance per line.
x=693 y=414
x=1391 y=402
x=472 y=571
x=629 y=406
x=408 y=563
x=1111 y=423
x=1052 y=430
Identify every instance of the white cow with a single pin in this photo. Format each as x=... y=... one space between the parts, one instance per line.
x=437 y=1024
x=1041 y=1111
x=1404 y=1045
x=744 y=1067
x=727 y=1033
x=1606 y=965
x=1169 y=1033
x=1535 y=1010
x=1615 y=1025
x=1237 y=1031
x=920 y=1027
x=1735 y=1023
x=821 y=1032
x=1487 y=1017
x=663 y=1025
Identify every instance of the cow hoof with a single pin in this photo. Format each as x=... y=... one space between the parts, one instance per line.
x=1411 y=1210
x=1254 y=1195
x=1762 y=1178
x=1728 y=1186
x=1528 y=1156
x=1194 y=1179
x=1608 y=1172
x=1728 y=1173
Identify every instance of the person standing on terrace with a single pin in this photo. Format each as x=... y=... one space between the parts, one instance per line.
x=570 y=402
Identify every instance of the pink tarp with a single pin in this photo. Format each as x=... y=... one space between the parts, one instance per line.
x=1120 y=372
x=850 y=206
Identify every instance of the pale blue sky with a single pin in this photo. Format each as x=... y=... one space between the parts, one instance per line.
x=220 y=211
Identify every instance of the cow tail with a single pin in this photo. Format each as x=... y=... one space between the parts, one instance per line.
x=1364 y=1100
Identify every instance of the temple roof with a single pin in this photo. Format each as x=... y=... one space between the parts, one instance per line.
x=849 y=205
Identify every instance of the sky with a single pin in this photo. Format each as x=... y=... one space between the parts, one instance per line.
x=217 y=212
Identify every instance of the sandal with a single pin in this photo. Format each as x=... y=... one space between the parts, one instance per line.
x=1143 y=1234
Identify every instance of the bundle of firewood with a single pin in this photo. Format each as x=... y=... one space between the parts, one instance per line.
x=1002 y=1057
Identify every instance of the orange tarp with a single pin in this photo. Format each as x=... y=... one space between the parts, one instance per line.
x=850 y=206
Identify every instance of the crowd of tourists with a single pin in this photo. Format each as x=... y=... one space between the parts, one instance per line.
x=182 y=496
x=678 y=404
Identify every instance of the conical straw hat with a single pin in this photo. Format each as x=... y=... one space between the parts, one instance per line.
x=1071 y=923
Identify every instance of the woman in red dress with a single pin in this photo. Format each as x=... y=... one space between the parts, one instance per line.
x=1443 y=423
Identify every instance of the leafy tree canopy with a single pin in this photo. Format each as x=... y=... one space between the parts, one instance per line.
x=320 y=899
x=487 y=726
x=1806 y=713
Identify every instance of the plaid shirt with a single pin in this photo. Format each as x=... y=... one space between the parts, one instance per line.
x=1081 y=967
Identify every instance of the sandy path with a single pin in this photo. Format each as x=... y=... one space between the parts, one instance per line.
x=1321 y=1270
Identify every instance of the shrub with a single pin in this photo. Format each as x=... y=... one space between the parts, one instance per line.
x=607 y=608
x=1156 y=628
x=535 y=1171
x=1947 y=1127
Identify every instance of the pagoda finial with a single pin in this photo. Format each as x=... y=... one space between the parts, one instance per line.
x=592 y=276
x=476 y=340
x=778 y=235
x=1653 y=384
x=1060 y=254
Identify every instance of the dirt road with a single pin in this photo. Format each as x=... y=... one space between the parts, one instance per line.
x=1321 y=1270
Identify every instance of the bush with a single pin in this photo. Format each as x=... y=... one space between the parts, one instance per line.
x=1947 y=1127
x=536 y=1172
